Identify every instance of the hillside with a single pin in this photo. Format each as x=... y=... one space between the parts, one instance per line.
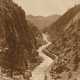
x=57 y=27
x=42 y=22
x=66 y=46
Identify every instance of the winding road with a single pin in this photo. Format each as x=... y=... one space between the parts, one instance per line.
x=39 y=72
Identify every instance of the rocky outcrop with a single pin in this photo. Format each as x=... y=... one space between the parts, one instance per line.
x=36 y=33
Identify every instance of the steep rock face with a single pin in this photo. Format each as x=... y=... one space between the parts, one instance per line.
x=17 y=44
x=66 y=46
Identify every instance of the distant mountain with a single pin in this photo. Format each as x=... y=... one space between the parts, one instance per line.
x=42 y=22
x=65 y=33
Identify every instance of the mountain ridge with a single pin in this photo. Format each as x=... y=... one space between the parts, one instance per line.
x=41 y=22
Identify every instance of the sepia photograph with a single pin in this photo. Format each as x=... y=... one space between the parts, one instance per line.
x=39 y=39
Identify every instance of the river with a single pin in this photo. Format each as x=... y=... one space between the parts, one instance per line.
x=39 y=72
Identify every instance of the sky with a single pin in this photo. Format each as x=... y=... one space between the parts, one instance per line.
x=46 y=7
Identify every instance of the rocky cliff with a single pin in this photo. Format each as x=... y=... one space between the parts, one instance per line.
x=18 y=43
